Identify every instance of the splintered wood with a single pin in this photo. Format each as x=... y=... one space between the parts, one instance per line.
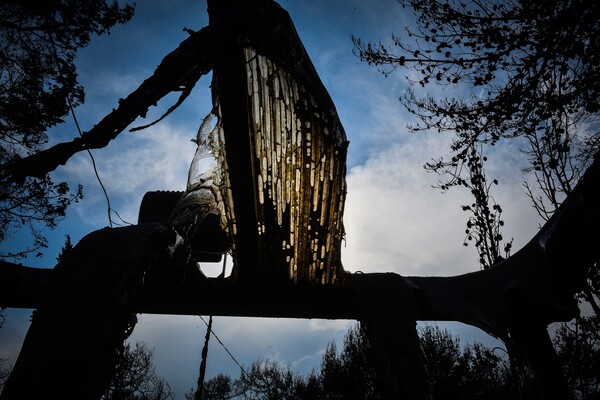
x=299 y=158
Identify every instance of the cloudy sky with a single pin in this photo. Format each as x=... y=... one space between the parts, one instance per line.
x=395 y=221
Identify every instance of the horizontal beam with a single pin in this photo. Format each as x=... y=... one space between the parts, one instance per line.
x=474 y=298
x=20 y=286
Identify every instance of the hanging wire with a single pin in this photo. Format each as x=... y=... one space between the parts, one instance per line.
x=110 y=210
x=242 y=370
x=93 y=161
x=72 y=109
x=224 y=347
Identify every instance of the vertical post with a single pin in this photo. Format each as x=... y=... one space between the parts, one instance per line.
x=389 y=318
x=229 y=84
x=533 y=344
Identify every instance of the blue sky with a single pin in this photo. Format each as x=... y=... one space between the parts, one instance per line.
x=395 y=221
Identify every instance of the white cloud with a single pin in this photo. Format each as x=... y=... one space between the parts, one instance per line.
x=157 y=158
x=395 y=221
x=330 y=324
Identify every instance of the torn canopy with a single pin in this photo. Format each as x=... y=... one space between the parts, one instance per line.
x=298 y=165
x=202 y=196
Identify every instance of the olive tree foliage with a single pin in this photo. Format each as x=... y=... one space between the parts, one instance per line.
x=38 y=88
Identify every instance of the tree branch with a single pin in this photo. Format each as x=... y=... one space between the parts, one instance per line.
x=179 y=69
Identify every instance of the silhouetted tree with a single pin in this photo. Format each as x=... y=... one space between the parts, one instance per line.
x=219 y=387
x=66 y=249
x=517 y=69
x=469 y=372
x=532 y=67
x=578 y=348
x=485 y=223
x=4 y=372
x=457 y=372
x=38 y=88
x=348 y=375
x=135 y=379
x=267 y=380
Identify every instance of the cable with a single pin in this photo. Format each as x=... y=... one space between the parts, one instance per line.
x=243 y=371
x=122 y=220
x=70 y=104
x=93 y=163
x=226 y=349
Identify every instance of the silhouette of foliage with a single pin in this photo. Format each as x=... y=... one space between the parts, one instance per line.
x=38 y=88
x=578 y=349
x=4 y=372
x=524 y=70
x=529 y=62
x=219 y=387
x=267 y=380
x=456 y=372
x=485 y=223
x=66 y=249
x=469 y=372
x=348 y=375
x=135 y=379
x=517 y=69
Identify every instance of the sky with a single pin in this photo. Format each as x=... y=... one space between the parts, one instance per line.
x=395 y=220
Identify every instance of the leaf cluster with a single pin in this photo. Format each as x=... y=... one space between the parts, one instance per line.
x=38 y=78
x=525 y=61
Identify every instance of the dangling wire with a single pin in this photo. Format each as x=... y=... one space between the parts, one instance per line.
x=242 y=370
x=93 y=164
x=72 y=109
x=200 y=384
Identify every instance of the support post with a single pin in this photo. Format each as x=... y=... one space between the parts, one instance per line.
x=387 y=311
